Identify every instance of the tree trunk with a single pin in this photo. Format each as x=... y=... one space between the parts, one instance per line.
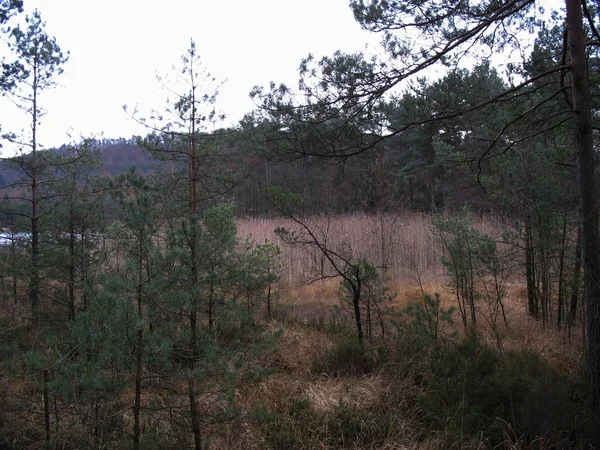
x=34 y=277
x=71 y=263
x=269 y=300
x=575 y=280
x=47 y=410
x=356 y=289
x=471 y=285
x=4 y=293
x=194 y=416
x=561 y=276
x=529 y=271
x=195 y=419
x=13 y=250
x=139 y=350
x=368 y=321
x=84 y=267
x=137 y=406
x=587 y=190
x=544 y=282
x=211 y=304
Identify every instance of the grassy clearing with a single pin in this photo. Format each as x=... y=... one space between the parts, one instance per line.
x=328 y=393
x=508 y=385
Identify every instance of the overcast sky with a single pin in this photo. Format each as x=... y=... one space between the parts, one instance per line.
x=117 y=47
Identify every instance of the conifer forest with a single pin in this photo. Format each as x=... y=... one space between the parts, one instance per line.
x=400 y=251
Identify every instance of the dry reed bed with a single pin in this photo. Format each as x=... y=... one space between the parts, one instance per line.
x=401 y=244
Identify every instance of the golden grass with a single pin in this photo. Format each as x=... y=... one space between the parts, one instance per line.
x=300 y=346
x=326 y=395
x=561 y=349
x=297 y=348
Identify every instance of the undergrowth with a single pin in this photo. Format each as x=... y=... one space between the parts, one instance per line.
x=426 y=385
x=434 y=390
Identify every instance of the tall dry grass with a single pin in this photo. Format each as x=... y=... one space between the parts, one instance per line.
x=401 y=245
x=404 y=246
x=302 y=398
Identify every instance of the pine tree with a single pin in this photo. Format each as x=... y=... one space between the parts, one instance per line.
x=39 y=60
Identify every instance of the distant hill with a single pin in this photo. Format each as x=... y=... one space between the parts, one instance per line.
x=117 y=155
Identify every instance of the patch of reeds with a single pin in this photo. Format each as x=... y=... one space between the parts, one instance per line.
x=398 y=244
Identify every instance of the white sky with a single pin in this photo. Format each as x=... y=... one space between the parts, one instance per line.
x=117 y=47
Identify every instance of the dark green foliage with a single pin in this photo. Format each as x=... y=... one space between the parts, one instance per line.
x=238 y=328
x=469 y=388
x=361 y=286
x=37 y=61
x=38 y=55
x=346 y=426
x=276 y=429
x=8 y=8
x=13 y=252
x=353 y=427
x=346 y=357
x=424 y=319
x=364 y=289
x=74 y=225
x=453 y=391
x=266 y=268
x=133 y=330
x=472 y=263
x=175 y=305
